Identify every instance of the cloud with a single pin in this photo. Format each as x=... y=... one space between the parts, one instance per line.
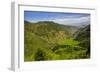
x=73 y=20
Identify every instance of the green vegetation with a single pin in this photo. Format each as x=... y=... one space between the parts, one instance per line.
x=52 y=41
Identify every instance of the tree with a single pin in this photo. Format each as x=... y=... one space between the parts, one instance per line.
x=39 y=55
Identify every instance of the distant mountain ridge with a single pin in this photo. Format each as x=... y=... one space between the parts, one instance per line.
x=75 y=25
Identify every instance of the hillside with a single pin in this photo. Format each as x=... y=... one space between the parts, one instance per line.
x=47 y=40
x=83 y=35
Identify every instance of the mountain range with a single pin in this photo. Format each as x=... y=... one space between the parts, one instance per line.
x=47 y=40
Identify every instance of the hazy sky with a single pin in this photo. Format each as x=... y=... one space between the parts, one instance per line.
x=58 y=17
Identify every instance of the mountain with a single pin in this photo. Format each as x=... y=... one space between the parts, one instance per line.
x=49 y=28
x=47 y=40
x=83 y=35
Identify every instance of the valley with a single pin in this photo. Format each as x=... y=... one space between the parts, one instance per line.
x=47 y=40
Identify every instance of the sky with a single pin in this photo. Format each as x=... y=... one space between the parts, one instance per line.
x=58 y=17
